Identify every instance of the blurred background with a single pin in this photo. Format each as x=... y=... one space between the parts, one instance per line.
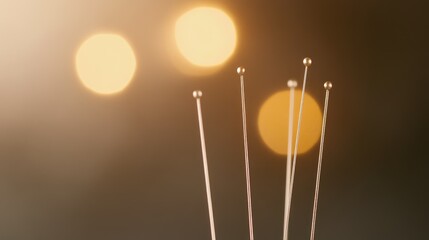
x=75 y=164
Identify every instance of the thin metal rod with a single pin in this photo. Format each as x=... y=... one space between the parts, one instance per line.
x=307 y=63
x=197 y=95
x=328 y=86
x=241 y=71
x=291 y=84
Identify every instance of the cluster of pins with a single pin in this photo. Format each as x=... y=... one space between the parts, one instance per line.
x=291 y=156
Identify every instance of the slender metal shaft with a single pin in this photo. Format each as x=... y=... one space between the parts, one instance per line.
x=241 y=71
x=307 y=63
x=197 y=95
x=292 y=84
x=319 y=167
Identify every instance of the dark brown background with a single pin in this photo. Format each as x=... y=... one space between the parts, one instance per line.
x=74 y=165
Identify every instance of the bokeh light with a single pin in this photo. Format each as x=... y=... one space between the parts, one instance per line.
x=273 y=122
x=206 y=36
x=105 y=63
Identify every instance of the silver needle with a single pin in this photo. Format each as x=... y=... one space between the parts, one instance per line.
x=241 y=72
x=292 y=85
x=328 y=86
x=197 y=95
x=307 y=63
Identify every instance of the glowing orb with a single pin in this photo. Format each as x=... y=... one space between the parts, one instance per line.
x=273 y=122
x=206 y=36
x=105 y=63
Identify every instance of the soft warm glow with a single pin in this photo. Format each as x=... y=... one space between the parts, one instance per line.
x=105 y=63
x=206 y=36
x=273 y=122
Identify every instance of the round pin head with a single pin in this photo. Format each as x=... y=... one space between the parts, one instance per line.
x=197 y=94
x=241 y=71
x=307 y=62
x=327 y=85
x=292 y=83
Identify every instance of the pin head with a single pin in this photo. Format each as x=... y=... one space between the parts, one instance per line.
x=292 y=83
x=241 y=71
x=307 y=62
x=197 y=94
x=327 y=85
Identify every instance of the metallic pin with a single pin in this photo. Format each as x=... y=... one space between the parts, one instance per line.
x=327 y=86
x=292 y=84
x=241 y=71
x=307 y=63
x=197 y=95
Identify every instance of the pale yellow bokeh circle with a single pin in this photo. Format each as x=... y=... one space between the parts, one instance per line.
x=105 y=63
x=273 y=122
x=206 y=36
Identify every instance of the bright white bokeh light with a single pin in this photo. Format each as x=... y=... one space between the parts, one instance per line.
x=206 y=36
x=105 y=63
